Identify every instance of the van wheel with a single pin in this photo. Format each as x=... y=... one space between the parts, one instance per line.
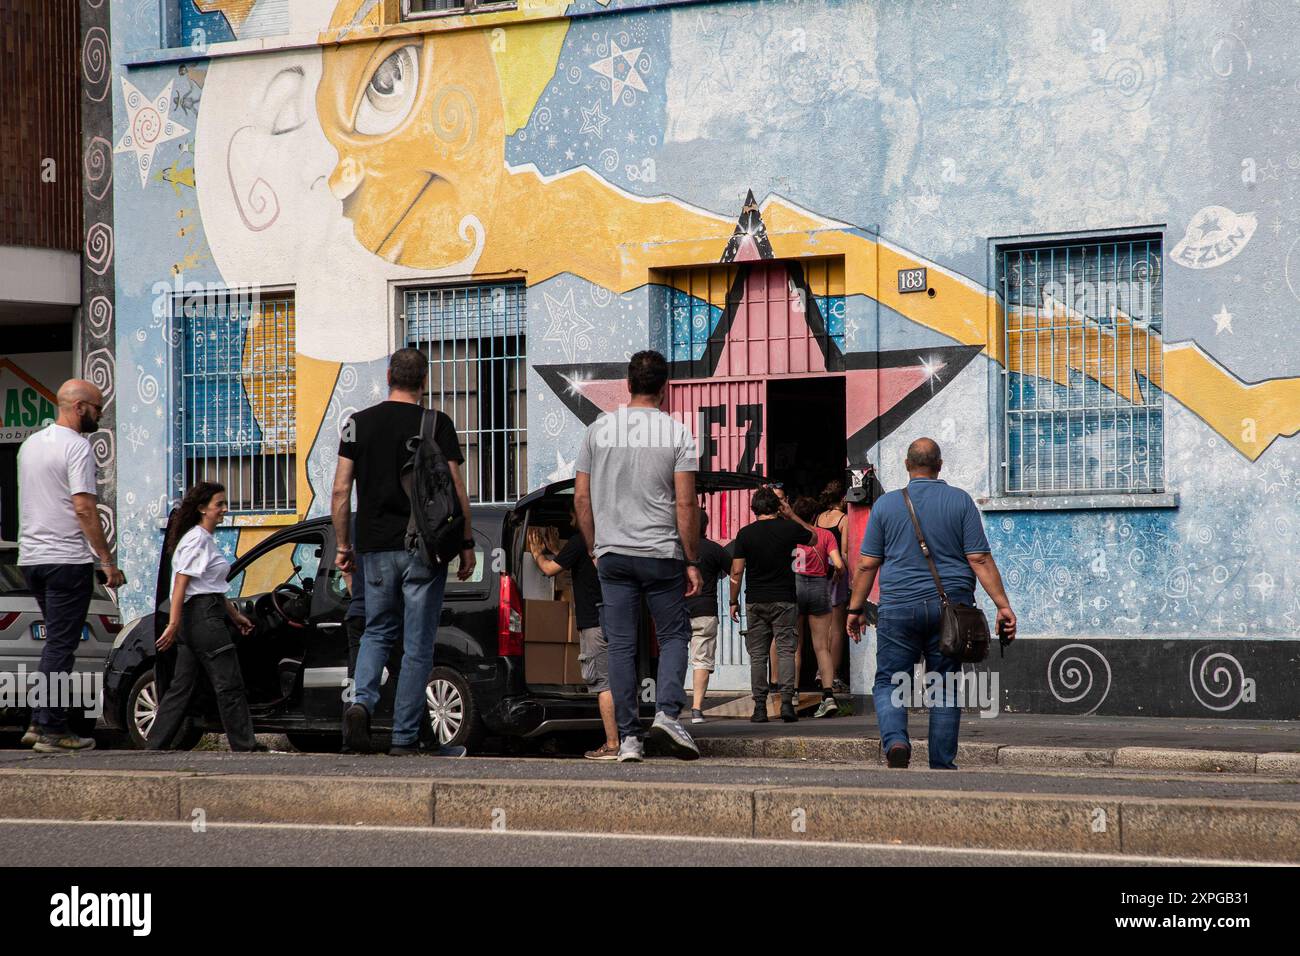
x=141 y=711
x=452 y=710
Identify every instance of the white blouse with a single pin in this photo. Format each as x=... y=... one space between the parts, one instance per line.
x=198 y=556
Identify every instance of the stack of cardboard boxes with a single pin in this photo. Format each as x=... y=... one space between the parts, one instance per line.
x=551 y=637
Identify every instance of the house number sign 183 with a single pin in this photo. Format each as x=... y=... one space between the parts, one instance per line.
x=911 y=280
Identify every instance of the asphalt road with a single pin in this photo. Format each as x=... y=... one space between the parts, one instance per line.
x=115 y=844
x=1093 y=781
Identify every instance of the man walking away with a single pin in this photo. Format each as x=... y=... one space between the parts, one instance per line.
x=403 y=593
x=593 y=651
x=59 y=537
x=634 y=493
x=703 y=609
x=908 y=626
x=764 y=555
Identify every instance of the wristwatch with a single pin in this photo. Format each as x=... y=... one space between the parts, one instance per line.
x=468 y=543
x=692 y=564
x=856 y=610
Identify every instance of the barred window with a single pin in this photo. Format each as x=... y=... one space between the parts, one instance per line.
x=415 y=8
x=473 y=336
x=238 y=401
x=1083 y=382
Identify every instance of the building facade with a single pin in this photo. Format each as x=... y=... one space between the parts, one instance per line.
x=1061 y=239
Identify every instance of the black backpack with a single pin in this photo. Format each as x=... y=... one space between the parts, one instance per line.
x=436 y=527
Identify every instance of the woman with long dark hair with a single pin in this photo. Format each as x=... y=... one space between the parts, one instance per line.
x=835 y=519
x=198 y=624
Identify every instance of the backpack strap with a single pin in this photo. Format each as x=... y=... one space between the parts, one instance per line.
x=925 y=550
x=407 y=476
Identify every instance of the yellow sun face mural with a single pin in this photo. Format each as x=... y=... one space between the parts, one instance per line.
x=418 y=125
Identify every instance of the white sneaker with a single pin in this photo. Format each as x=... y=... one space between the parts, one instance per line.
x=631 y=749
x=673 y=736
x=828 y=708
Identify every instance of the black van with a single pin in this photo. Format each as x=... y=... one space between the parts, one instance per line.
x=295 y=662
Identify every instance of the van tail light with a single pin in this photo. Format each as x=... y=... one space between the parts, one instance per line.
x=7 y=618
x=112 y=623
x=510 y=620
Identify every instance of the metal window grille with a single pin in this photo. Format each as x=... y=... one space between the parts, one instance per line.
x=1083 y=396
x=474 y=338
x=238 y=397
x=415 y=8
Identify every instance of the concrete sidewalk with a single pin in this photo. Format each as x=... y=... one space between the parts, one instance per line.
x=1096 y=811
x=1028 y=740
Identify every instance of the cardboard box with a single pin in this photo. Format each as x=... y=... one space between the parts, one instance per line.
x=546 y=622
x=552 y=663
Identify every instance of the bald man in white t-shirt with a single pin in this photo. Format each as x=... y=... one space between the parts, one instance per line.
x=59 y=538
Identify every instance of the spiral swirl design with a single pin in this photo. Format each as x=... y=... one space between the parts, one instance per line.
x=544 y=117
x=1127 y=79
x=98 y=370
x=94 y=63
x=99 y=316
x=97 y=168
x=608 y=160
x=574 y=75
x=1223 y=683
x=147 y=126
x=146 y=386
x=99 y=247
x=455 y=118
x=347 y=378
x=1072 y=680
x=108 y=522
x=103 y=448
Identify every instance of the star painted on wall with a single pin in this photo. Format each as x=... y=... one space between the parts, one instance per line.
x=594 y=120
x=567 y=327
x=563 y=469
x=1222 y=320
x=882 y=389
x=148 y=126
x=620 y=69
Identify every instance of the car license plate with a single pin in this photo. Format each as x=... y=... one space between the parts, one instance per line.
x=38 y=632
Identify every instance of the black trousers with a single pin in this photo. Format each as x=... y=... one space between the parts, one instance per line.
x=205 y=645
x=62 y=592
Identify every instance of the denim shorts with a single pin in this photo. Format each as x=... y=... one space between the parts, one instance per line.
x=812 y=594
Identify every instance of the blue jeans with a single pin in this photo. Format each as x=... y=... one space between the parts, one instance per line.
x=624 y=580
x=905 y=634
x=403 y=602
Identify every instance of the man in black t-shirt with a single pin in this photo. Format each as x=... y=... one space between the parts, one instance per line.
x=403 y=593
x=764 y=554
x=593 y=650
x=715 y=562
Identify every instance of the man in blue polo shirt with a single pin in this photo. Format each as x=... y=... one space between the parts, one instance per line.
x=908 y=626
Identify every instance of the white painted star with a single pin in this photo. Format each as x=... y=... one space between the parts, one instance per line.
x=563 y=469
x=148 y=126
x=611 y=68
x=594 y=120
x=567 y=326
x=1222 y=320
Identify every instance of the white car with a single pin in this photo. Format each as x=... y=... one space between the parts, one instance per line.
x=22 y=636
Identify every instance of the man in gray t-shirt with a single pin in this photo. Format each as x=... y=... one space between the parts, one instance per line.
x=635 y=498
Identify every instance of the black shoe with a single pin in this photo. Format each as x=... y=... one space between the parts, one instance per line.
x=404 y=750
x=899 y=756
x=356 y=729
x=787 y=712
x=760 y=712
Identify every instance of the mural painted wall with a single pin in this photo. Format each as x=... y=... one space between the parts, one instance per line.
x=595 y=150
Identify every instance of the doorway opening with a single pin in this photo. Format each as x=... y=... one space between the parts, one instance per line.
x=806 y=444
x=806 y=448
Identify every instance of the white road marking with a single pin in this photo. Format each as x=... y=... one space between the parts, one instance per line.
x=661 y=838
